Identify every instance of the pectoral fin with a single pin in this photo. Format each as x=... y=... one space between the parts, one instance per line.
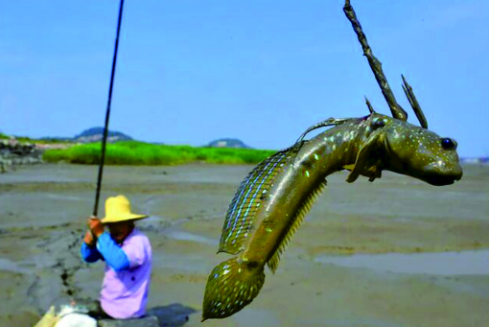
x=349 y=167
x=364 y=160
x=374 y=172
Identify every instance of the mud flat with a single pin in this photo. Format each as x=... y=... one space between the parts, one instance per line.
x=393 y=253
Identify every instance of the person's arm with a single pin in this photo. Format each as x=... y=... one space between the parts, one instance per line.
x=89 y=254
x=113 y=254
x=88 y=250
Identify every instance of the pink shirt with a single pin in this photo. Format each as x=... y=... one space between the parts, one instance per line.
x=125 y=293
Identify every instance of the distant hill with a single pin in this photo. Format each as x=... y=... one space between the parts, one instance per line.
x=228 y=143
x=95 y=134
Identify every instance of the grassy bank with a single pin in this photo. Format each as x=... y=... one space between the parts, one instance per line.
x=138 y=153
x=25 y=139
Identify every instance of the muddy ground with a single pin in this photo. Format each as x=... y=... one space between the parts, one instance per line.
x=345 y=267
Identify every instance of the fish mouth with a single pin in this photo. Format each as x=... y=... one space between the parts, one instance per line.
x=438 y=176
x=442 y=180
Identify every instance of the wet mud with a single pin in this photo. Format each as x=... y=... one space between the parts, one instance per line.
x=396 y=252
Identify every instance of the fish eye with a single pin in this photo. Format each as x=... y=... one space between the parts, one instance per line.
x=378 y=123
x=448 y=144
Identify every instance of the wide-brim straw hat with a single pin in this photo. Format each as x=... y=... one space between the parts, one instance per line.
x=117 y=209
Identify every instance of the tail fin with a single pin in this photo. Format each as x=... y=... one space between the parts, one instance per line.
x=231 y=286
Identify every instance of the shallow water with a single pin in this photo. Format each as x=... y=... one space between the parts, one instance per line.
x=442 y=263
x=185 y=236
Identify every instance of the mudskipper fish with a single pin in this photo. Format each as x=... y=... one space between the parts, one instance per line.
x=273 y=199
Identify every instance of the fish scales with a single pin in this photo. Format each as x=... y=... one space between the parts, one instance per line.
x=273 y=199
x=287 y=201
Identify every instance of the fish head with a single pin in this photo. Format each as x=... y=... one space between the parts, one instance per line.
x=417 y=152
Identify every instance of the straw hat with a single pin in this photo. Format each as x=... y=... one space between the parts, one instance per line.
x=118 y=208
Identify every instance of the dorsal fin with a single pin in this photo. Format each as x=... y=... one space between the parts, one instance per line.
x=299 y=217
x=247 y=200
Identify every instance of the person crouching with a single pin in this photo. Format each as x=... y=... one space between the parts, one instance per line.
x=128 y=259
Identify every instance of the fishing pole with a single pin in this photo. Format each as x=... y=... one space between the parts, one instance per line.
x=107 y=115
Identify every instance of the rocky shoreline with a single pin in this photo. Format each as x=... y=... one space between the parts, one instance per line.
x=14 y=153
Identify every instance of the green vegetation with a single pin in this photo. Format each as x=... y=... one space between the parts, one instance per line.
x=139 y=153
x=44 y=141
x=31 y=140
x=26 y=139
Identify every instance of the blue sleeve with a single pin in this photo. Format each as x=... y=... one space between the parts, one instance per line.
x=89 y=254
x=113 y=254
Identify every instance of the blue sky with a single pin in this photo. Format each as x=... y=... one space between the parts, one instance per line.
x=190 y=71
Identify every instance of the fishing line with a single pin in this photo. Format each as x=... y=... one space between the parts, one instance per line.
x=107 y=115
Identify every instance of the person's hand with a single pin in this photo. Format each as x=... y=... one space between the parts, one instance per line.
x=88 y=239
x=95 y=226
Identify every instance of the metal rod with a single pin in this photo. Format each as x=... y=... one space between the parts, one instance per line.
x=107 y=115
